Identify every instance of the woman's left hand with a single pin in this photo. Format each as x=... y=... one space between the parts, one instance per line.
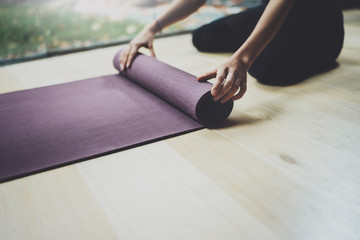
x=230 y=80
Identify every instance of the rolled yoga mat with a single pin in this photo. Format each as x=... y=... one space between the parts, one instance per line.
x=49 y=127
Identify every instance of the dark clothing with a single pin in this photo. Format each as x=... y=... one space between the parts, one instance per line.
x=308 y=42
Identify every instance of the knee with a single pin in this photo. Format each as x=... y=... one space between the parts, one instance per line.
x=268 y=75
x=277 y=68
x=266 y=79
x=287 y=76
x=200 y=39
x=272 y=76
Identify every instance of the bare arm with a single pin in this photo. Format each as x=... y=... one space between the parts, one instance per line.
x=265 y=30
x=231 y=75
x=178 y=9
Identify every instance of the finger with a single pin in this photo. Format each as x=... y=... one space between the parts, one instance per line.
x=207 y=76
x=217 y=87
x=231 y=92
x=227 y=85
x=241 y=93
x=152 y=52
x=127 y=57
x=131 y=56
x=123 y=57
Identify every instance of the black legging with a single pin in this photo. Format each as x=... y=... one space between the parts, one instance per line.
x=309 y=41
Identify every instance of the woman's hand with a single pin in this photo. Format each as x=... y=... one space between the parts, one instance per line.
x=231 y=75
x=230 y=80
x=144 y=39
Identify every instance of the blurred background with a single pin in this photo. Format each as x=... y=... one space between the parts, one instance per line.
x=31 y=29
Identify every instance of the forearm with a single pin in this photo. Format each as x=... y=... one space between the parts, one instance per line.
x=178 y=10
x=265 y=30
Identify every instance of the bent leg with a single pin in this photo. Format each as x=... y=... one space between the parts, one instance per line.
x=300 y=51
x=294 y=55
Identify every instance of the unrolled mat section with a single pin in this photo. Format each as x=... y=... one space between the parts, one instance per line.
x=49 y=127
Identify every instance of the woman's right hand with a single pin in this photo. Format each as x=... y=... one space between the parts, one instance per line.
x=144 y=39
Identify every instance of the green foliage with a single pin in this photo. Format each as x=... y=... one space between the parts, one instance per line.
x=28 y=30
x=32 y=28
x=20 y=31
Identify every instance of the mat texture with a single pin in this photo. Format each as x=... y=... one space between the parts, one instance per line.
x=48 y=127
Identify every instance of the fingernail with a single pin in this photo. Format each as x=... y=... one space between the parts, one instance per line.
x=121 y=67
x=213 y=92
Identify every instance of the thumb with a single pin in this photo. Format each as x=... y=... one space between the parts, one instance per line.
x=152 y=52
x=207 y=76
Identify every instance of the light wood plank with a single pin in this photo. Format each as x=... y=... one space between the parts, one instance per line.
x=150 y=201
x=8 y=82
x=51 y=205
x=278 y=192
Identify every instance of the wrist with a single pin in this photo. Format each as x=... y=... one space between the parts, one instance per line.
x=243 y=58
x=154 y=27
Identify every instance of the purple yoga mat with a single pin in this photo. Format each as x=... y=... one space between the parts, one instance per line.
x=49 y=127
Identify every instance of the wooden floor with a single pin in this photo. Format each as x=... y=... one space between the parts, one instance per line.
x=286 y=165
